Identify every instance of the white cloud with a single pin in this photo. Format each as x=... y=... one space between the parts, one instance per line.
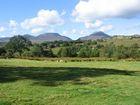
x=87 y=11
x=44 y=18
x=106 y=28
x=13 y=24
x=51 y=30
x=40 y=30
x=64 y=32
x=2 y=36
x=96 y=24
x=63 y=13
x=74 y=32
x=68 y=32
x=83 y=32
x=14 y=32
x=2 y=29
x=36 y=30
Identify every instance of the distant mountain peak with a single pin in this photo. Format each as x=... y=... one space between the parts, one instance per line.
x=99 y=33
x=42 y=37
x=52 y=37
x=56 y=34
x=95 y=36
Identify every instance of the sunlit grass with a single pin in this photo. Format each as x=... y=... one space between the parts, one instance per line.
x=30 y=82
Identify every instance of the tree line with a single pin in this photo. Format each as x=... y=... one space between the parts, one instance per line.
x=19 y=46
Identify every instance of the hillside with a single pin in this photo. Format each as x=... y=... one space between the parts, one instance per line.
x=42 y=37
x=51 y=37
x=95 y=36
x=5 y=39
x=124 y=40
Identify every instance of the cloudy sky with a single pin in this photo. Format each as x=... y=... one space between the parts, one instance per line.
x=72 y=18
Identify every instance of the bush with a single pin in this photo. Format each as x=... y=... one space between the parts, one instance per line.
x=27 y=53
x=36 y=51
x=9 y=54
x=2 y=51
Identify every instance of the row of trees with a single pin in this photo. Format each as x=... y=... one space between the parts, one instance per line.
x=19 y=46
x=109 y=51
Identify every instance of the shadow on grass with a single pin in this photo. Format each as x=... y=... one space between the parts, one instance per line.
x=54 y=76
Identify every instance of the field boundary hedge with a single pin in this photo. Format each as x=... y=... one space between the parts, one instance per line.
x=76 y=59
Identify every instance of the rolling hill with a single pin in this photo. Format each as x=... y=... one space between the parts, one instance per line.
x=51 y=37
x=42 y=37
x=95 y=36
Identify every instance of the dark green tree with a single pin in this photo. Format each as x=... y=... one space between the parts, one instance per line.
x=121 y=52
x=63 y=52
x=95 y=52
x=2 y=51
x=85 y=52
x=134 y=51
x=48 y=53
x=18 y=44
x=36 y=50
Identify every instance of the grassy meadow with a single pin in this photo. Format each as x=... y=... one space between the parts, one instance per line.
x=31 y=82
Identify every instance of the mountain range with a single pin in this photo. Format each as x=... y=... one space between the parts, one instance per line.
x=41 y=37
x=58 y=37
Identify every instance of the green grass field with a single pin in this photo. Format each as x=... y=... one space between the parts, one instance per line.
x=30 y=82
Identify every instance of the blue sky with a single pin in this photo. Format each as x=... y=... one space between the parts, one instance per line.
x=72 y=18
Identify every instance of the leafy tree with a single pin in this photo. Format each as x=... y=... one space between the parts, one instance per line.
x=63 y=52
x=48 y=53
x=18 y=44
x=36 y=50
x=121 y=52
x=95 y=53
x=85 y=52
x=134 y=51
x=99 y=46
x=27 y=53
x=72 y=51
x=2 y=51
x=68 y=51
x=94 y=42
x=9 y=53
x=108 y=50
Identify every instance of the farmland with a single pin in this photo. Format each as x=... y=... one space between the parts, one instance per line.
x=31 y=82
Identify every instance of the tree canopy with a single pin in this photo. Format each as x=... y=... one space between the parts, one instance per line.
x=18 y=44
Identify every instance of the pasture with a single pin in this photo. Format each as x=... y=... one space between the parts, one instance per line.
x=31 y=82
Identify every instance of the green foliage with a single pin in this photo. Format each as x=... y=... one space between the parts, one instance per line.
x=36 y=50
x=17 y=54
x=9 y=53
x=48 y=53
x=2 y=51
x=72 y=51
x=121 y=52
x=63 y=52
x=27 y=53
x=108 y=50
x=134 y=51
x=85 y=52
x=5 y=103
x=18 y=44
x=67 y=52
x=95 y=52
